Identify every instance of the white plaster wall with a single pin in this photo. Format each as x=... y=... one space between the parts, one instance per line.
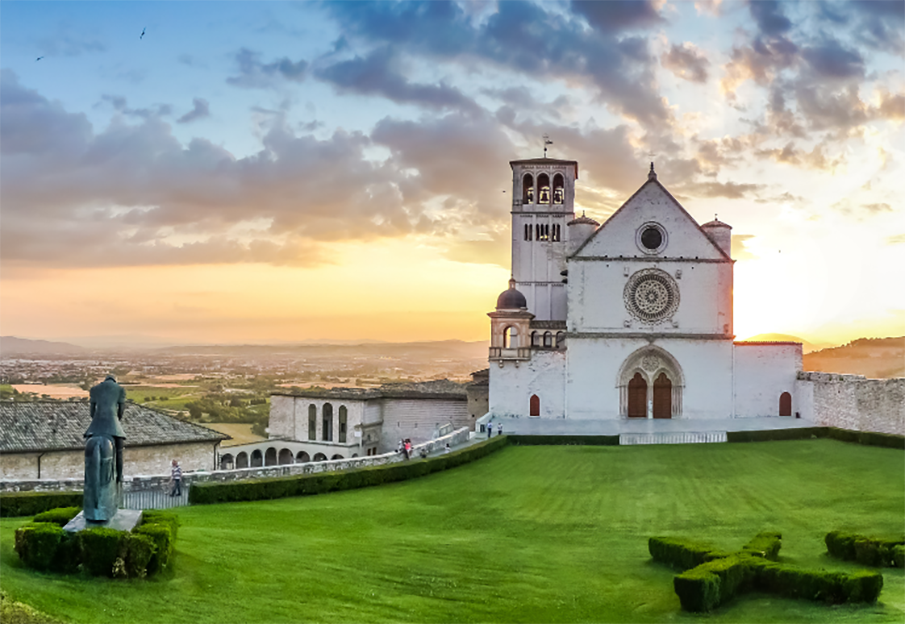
x=616 y=237
x=289 y=417
x=511 y=386
x=762 y=374
x=592 y=389
x=595 y=297
x=418 y=419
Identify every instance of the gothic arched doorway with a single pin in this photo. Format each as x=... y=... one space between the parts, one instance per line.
x=637 y=397
x=662 y=397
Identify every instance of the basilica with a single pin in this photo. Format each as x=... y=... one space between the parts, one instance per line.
x=630 y=319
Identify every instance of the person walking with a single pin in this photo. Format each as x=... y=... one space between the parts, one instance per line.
x=489 y=430
x=447 y=448
x=176 y=478
x=499 y=429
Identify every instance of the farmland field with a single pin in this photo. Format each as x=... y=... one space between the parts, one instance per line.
x=529 y=534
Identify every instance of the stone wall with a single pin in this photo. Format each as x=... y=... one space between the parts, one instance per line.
x=853 y=402
x=159 y=480
x=136 y=460
x=419 y=419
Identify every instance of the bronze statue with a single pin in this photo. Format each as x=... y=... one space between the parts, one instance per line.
x=104 y=451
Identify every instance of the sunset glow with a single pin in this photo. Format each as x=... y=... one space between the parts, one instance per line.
x=270 y=172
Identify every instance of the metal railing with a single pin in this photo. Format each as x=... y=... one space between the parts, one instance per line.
x=155 y=499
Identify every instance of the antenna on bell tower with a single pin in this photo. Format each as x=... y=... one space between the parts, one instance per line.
x=547 y=142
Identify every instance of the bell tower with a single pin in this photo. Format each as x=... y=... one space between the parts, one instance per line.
x=543 y=199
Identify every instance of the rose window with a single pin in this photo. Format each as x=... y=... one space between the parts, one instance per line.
x=651 y=295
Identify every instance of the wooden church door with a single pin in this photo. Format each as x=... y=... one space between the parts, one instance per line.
x=662 y=397
x=637 y=397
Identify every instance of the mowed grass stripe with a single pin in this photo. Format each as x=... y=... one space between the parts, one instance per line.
x=529 y=534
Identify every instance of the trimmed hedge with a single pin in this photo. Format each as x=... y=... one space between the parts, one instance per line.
x=711 y=577
x=872 y=551
x=867 y=438
x=564 y=440
x=44 y=545
x=31 y=503
x=320 y=483
x=798 y=433
x=60 y=517
x=682 y=554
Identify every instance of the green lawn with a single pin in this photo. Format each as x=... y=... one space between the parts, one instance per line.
x=529 y=534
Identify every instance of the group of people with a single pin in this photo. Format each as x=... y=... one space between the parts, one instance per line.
x=499 y=430
x=405 y=447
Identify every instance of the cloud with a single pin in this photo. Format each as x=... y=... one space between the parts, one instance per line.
x=739 y=247
x=847 y=207
x=618 y=15
x=897 y=239
x=199 y=111
x=769 y=17
x=877 y=207
x=522 y=37
x=253 y=74
x=120 y=105
x=879 y=24
x=830 y=59
x=379 y=74
x=760 y=61
x=729 y=190
x=686 y=61
x=790 y=154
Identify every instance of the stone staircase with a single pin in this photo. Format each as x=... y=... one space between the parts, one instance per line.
x=672 y=437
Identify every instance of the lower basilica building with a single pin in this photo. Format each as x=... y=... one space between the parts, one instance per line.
x=624 y=320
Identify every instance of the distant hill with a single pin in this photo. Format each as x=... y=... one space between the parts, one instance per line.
x=11 y=346
x=806 y=346
x=439 y=348
x=877 y=358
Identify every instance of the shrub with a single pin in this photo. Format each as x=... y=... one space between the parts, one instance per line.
x=69 y=554
x=898 y=556
x=682 y=554
x=31 y=503
x=36 y=544
x=323 y=482
x=798 y=433
x=137 y=552
x=161 y=537
x=711 y=584
x=872 y=551
x=868 y=438
x=60 y=516
x=765 y=544
x=99 y=550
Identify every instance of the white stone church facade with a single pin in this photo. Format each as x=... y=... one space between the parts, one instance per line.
x=629 y=319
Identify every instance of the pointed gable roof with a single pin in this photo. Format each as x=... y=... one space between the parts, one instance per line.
x=635 y=211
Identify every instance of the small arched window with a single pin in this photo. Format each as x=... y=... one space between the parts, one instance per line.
x=559 y=191
x=560 y=339
x=543 y=189
x=528 y=189
x=343 y=417
x=510 y=338
x=548 y=339
x=312 y=422
x=785 y=404
x=535 y=339
x=535 y=405
x=327 y=430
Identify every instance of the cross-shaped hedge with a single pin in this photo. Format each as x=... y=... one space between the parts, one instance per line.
x=711 y=577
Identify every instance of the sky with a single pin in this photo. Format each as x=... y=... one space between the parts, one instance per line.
x=268 y=172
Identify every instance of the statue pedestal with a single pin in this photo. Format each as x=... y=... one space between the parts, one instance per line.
x=123 y=520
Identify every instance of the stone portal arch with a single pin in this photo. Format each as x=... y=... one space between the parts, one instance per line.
x=653 y=372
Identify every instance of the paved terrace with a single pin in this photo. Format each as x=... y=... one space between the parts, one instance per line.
x=565 y=426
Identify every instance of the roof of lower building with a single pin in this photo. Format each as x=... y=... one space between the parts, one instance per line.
x=436 y=389
x=59 y=426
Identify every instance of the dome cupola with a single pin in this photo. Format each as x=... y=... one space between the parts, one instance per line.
x=511 y=299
